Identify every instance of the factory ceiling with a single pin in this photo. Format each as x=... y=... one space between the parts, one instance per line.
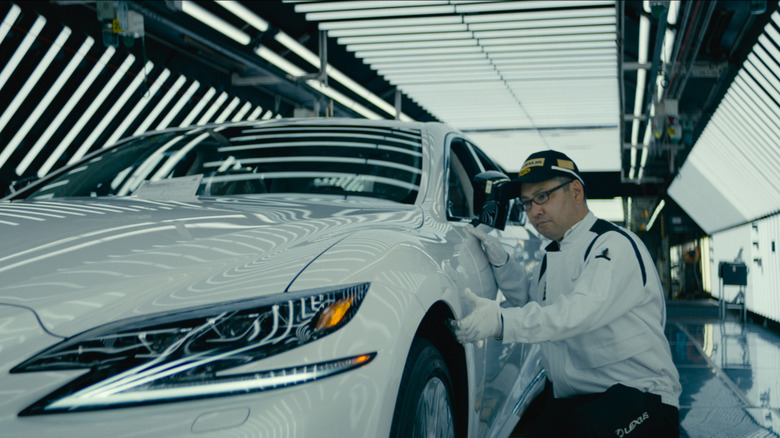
x=625 y=88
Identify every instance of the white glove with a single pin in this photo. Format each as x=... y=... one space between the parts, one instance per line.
x=483 y=322
x=493 y=250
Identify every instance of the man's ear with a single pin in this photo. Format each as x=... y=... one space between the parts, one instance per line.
x=579 y=190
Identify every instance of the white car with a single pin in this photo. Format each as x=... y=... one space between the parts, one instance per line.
x=276 y=278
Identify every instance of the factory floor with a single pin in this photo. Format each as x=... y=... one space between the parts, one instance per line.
x=729 y=371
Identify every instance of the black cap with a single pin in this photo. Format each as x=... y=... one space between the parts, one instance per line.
x=538 y=167
x=548 y=164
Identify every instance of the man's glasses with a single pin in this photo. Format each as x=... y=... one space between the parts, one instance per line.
x=541 y=198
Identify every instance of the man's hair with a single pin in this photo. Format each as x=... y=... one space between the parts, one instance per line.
x=563 y=179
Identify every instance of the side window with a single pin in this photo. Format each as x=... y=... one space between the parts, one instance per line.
x=462 y=169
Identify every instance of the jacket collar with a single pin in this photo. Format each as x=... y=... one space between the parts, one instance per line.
x=578 y=231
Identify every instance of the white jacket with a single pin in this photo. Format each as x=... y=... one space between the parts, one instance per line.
x=597 y=308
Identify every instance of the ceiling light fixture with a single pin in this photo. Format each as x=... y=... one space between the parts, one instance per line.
x=29 y=39
x=381 y=32
x=91 y=111
x=116 y=106
x=147 y=98
x=183 y=100
x=379 y=12
x=199 y=13
x=32 y=80
x=205 y=99
x=66 y=110
x=43 y=104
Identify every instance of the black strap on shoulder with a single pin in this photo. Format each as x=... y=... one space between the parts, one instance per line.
x=553 y=246
x=600 y=227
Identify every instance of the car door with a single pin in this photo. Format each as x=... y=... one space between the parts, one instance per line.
x=497 y=365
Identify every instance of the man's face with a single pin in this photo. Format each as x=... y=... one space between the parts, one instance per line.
x=562 y=210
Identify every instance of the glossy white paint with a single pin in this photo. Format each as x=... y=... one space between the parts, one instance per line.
x=83 y=262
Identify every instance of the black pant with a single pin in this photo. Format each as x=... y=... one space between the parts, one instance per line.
x=621 y=411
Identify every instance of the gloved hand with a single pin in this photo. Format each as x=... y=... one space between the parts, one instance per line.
x=493 y=250
x=483 y=322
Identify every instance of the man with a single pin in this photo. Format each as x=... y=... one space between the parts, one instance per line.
x=596 y=307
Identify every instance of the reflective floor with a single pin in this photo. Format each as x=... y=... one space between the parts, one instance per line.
x=730 y=374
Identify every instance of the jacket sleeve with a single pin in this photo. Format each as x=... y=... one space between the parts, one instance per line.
x=607 y=289
x=513 y=281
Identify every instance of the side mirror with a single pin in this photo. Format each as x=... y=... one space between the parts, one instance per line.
x=489 y=205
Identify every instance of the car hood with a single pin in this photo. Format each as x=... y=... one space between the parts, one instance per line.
x=78 y=263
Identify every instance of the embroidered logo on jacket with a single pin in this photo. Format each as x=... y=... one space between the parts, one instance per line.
x=604 y=255
x=624 y=431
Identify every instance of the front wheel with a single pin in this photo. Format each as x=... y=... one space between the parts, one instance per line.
x=424 y=405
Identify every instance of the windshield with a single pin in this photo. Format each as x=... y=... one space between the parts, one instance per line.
x=249 y=160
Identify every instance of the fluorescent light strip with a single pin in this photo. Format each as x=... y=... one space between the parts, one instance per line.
x=509 y=6
x=117 y=105
x=762 y=74
x=92 y=109
x=655 y=214
x=409 y=37
x=32 y=80
x=242 y=112
x=381 y=32
x=379 y=12
x=192 y=9
x=434 y=66
x=213 y=109
x=424 y=58
x=12 y=63
x=277 y=60
x=501 y=57
x=228 y=110
x=420 y=52
x=9 y=20
x=351 y=5
x=560 y=33
x=245 y=13
x=160 y=106
x=147 y=99
x=344 y=100
x=294 y=70
x=391 y=22
x=563 y=24
x=337 y=75
x=761 y=134
x=255 y=114
x=198 y=107
x=66 y=110
x=133 y=116
x=755 y=133
x=520 y=18
x=548 y=47
x=415 y=44
x=183 y=100
x=742 y=97
x=32 y=119
x=446 y=78
x=398 y=73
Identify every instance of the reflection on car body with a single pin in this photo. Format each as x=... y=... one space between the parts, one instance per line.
x=264 y=278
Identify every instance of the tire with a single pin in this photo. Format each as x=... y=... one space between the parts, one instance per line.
x=424 y=407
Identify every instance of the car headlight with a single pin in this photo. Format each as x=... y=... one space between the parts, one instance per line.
x=185 y=355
